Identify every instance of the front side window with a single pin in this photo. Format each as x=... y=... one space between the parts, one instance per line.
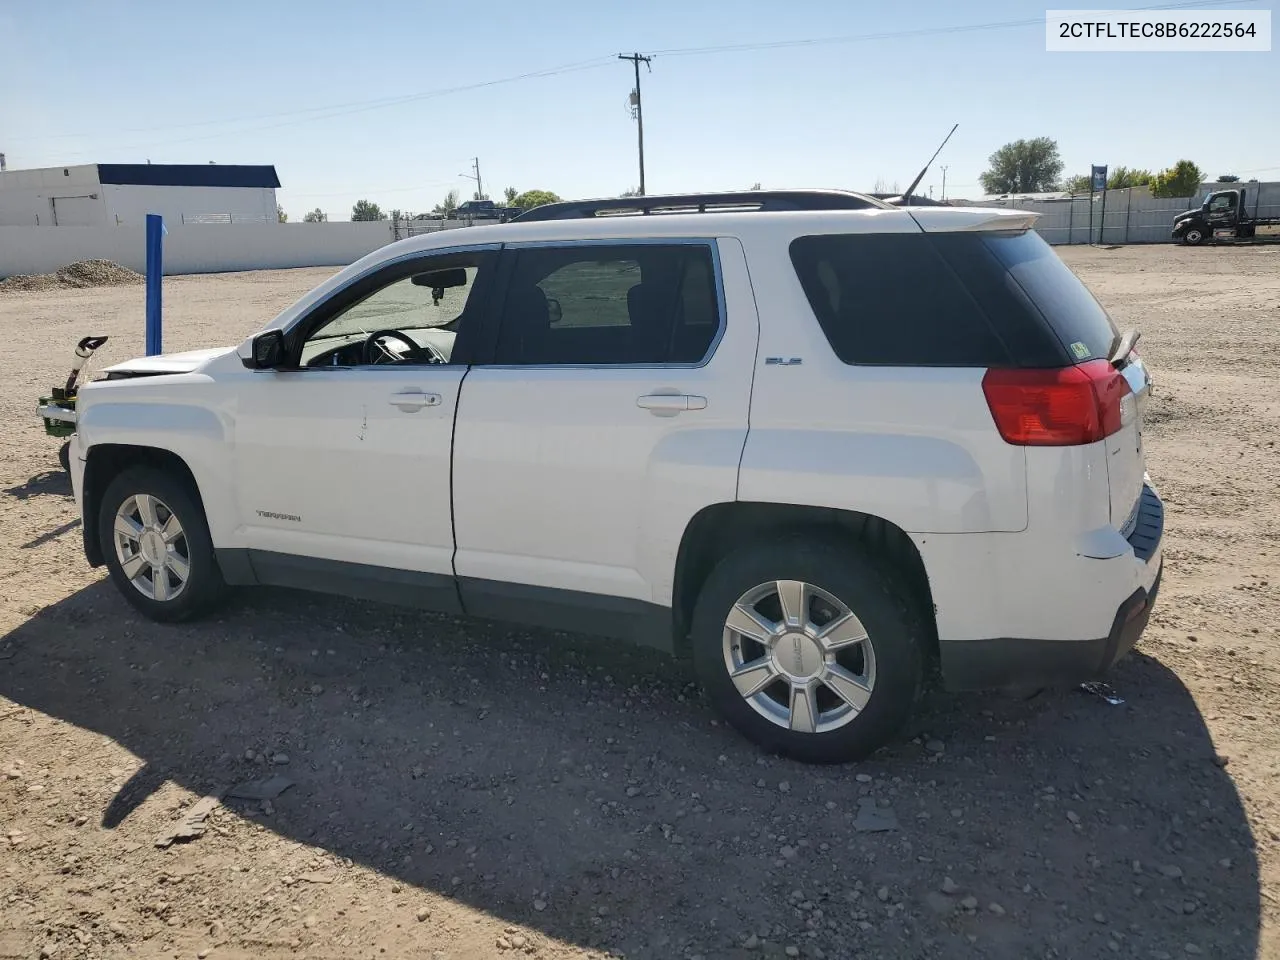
x=610 y=304
x=1220 y=204
x=410 y=314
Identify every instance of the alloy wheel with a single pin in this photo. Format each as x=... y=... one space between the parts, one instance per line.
x=799 y=656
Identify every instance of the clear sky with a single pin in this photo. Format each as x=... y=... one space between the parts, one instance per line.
x=291 y=83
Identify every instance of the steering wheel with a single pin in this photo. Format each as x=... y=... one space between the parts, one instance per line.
x=372 y=344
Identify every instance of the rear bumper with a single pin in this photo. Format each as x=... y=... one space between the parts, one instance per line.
x=1010 y=662
x=981 y=664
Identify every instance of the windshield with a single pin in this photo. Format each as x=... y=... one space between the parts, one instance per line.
x=400 y=306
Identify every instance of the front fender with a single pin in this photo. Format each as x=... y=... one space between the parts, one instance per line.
x=176 y=415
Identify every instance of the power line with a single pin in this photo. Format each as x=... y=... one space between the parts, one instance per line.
x=902 y=34
x=339 y=110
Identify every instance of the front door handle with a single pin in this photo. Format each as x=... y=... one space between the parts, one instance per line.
x=669 y=404
x=411 y=400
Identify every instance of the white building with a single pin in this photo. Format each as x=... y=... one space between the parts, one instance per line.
x=122 y=194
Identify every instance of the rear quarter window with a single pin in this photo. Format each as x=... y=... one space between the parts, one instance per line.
x=892 y=300
x=1065 y=303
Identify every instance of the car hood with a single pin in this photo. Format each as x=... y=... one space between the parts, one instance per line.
x=184 y=362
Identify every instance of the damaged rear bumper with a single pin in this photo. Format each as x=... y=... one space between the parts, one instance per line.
x=1015 y=662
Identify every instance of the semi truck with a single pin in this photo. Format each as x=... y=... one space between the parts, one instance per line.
x=1224 y=217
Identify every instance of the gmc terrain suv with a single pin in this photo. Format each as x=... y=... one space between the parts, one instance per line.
x=808 y=439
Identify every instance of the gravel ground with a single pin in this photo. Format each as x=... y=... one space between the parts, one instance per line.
x=466 y=789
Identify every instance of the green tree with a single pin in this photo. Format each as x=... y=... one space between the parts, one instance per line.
x=510 y=195
x=367 y=210
x=1228 y=178
x=1076 y=184
x=535 y=198
x=1181 y=180
x=1023 y=166
x=754 y=186
x=315 y=216
x=630 y=192
x=1122 y=177
x=281 y=216
x=447 y=207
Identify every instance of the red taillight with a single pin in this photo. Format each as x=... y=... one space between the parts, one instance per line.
x=1056 y=408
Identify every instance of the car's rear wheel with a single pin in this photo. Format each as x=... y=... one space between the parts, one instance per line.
x=808 y=648
x=157 y=546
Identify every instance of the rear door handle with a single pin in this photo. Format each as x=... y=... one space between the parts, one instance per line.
x=411 y=400
x=669 y=404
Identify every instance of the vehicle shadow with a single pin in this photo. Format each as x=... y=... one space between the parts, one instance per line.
x=586 y=792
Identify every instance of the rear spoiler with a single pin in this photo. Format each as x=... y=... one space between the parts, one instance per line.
x=970 y=219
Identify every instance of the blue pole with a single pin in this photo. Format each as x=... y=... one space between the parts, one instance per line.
x=155 y=268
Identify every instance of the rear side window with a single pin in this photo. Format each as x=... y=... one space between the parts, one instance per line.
x=1064 y=302
x=891 y=300
x=950 y=299
x=604 y=304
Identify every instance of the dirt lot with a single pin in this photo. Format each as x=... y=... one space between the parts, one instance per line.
x=463 y=789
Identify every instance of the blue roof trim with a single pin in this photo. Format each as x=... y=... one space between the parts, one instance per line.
x=188 y=175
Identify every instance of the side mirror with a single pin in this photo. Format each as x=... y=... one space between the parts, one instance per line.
x=266 y=351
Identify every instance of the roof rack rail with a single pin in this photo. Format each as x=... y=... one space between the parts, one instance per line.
x=730 y=202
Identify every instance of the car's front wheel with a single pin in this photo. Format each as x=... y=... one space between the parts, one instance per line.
x=157 y=546
x=808 y=648
x=1193 y=237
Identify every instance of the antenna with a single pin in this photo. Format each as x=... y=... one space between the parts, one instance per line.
x=906 y=196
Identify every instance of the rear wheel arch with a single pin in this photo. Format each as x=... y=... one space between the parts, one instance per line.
x=721 y=528
x=107 y=461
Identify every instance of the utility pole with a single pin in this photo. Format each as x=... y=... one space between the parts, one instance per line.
x=636 y=59
x=943 y=167
x=475 y=166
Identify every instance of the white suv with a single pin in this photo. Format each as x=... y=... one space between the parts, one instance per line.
x=809 y=439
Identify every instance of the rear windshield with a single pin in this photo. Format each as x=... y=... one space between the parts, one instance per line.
x=949 y=299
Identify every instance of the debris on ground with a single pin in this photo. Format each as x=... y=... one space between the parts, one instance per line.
x=193 y=824
x=874 y=819
x=1103 y=690
x=74 y=276
x=268 y=788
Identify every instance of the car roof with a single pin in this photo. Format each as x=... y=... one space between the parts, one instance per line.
x=716 y=224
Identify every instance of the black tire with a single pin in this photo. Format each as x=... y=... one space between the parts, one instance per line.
x=204 y=586
x=1193 y=237
x=869 y=590
x=64 y=456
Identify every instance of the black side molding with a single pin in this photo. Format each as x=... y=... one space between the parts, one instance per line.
x=407 y=588
x=647 y=624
